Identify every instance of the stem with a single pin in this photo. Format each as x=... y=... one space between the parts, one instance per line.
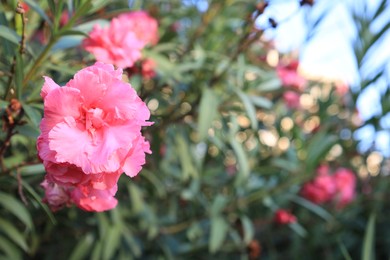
x=39 y=61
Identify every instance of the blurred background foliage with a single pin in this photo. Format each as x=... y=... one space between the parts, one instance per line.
x=228 y=149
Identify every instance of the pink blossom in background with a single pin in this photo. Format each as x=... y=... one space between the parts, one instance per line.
x=122 y=41
x=289 y=76
x=142 y=24
x=291 y=99
x=345 y=186
x=338 y=187
x=284 y=217
x=90 y=134
x=320 y=190
x=148 y=68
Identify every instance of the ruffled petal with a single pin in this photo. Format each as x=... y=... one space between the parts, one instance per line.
x=136 y=157
x=72 y=144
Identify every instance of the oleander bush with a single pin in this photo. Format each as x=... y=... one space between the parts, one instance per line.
x=228 y=150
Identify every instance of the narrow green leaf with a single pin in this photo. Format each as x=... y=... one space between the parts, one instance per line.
x=35 y=6
x=103 y=224
x=261 y=102
x=9 y=34
x=137 y=201
x=297 y=228
x=9 y=249
x=38 y=199
x=157 y=184
x=207 y=112
x=219 y=229
x=97 y=250
x=250 y=109
x=33 y=114
x=344 y=250
x=313 y=208
x=8 y=229
x=318 y=147
x=183 y=150
x=132 y=242
x=83 y=248
x=270 y=85
x=111 y=241
x=16 y=208
x=243 y=163
x=248 y=228
x=369 y=237
x=218 y=205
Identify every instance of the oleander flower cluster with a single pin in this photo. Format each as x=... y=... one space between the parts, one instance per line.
x=90 y=135
x=122 y=41
x=293 y=83
x=338 y=188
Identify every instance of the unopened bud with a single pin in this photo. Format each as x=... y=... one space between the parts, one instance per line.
x=306 y=2
x=272 y=22
x=19 y=9
x=261 y=7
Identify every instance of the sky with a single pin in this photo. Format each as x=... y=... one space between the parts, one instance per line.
x=329 y=53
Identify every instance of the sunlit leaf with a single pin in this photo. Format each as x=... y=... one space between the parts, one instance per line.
x=207 y=112
x=219 y=229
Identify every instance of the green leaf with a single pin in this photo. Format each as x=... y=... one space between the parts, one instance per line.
x=183 y=150
x=33 y=114
x=313 y=208
x=157 y=184
x=218 y=205
x=270 y=85
x=83 y=248
x=250 y=109
x=219 y=229
x=9 y=34
x=35 y=6
x=39 y=200
x=68 y=41
x=207 y=112
x=137 y=201
x=97 y=251
x=9 y=249
x=111 y=241
x=369 y=237
x=261 y=102
x=318 y=147
x=297 y=228
x=131 y=242
x=28 y=130
x=8 y=229
x=243 y=163
x=248 y=228
x=16 y=208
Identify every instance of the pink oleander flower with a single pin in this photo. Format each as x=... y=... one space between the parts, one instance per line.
x=291 y=99
x=284 y=217
x=338 y=188
x=289 y=76
x=90 y=134
x=321 y=189
x=148 y=68
x=56 y=196
x=345 y=181
x=122 y=41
